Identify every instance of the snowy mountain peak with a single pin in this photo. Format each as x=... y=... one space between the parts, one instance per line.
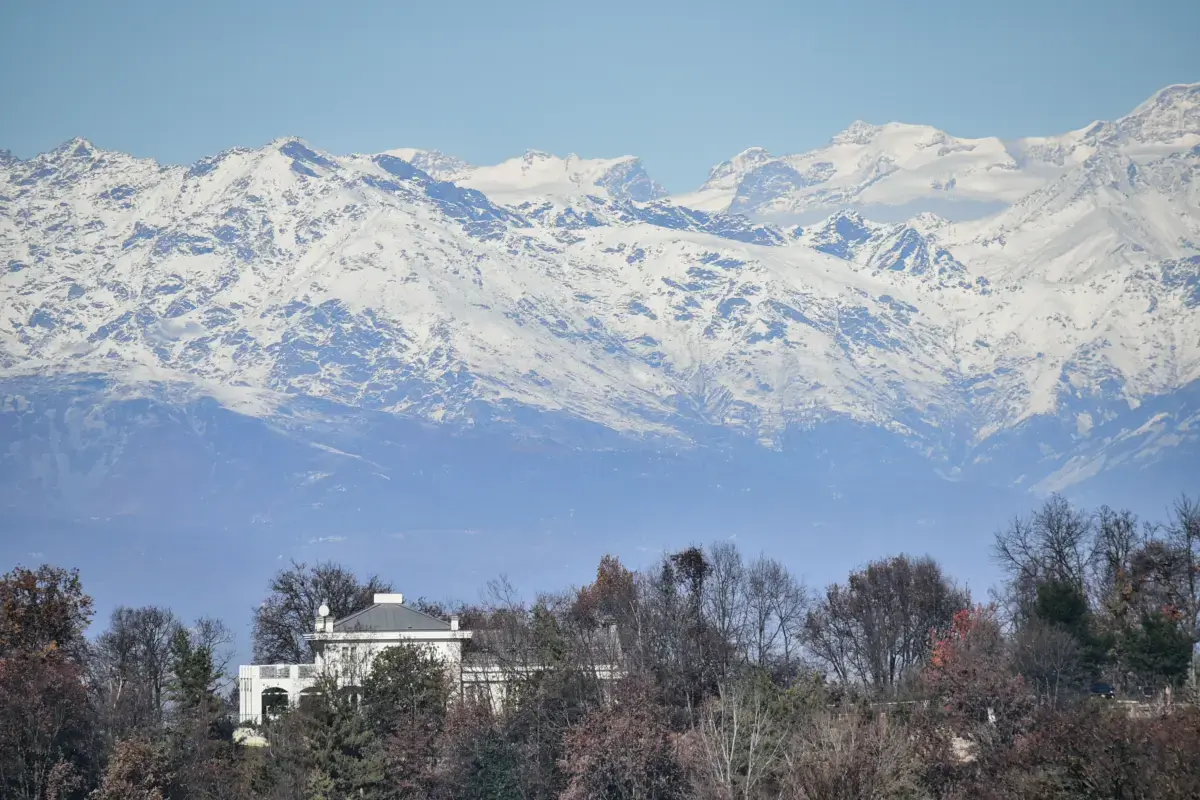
x=280 y=142
x=720 y=188
x=728 y=173
x=435 y=163
x=1170 y=117
x=627 y=179
x=564 y=285
x=927 y=222
x=900 y=249
x=1177 y=96
x=897 y=170
x=305 y=160
x=77 y=147
x=753 y=155
x=858 y=132
x=537 y=176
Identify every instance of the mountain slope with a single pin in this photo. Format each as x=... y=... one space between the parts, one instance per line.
x=564 y=298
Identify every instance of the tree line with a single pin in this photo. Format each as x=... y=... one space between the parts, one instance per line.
x=736 y=681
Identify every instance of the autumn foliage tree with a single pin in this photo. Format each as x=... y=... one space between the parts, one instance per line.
x=611 y=598
x=45 y=719
x=137 y=770
x=624 y=752
x=42 y=611
x=729 y=682
x=969 y=676
x=45 y=725
x=1097 y=752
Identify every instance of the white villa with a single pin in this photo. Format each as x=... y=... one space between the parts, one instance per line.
x=346 y=648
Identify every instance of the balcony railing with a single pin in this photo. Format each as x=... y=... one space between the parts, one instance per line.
x=304 y=672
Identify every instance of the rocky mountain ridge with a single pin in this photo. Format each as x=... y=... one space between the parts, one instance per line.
x=413 y=284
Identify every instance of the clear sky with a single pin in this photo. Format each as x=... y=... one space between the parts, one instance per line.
x=685 y=85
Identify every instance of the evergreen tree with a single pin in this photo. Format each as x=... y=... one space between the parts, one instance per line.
x=194 y=676
x=1158 y=651
x=1063 y=604
x=345 y=753
x=482 y=762
x=489 y=769
x=405 y=698
x=407 y=686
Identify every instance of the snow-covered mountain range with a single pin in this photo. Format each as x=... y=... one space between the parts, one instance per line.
x=966 y=296
x=898 y=170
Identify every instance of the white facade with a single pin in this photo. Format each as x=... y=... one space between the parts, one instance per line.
x=346 y=650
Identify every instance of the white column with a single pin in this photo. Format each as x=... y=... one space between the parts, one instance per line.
x=255 y=696
x=247 y=696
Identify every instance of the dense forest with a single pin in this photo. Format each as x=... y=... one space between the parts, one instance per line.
x=1074 y=679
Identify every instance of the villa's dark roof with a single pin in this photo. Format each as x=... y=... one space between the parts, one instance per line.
x=390 y=617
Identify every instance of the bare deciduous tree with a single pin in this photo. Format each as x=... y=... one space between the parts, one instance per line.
x=725 y=596
x=876 y=628
x=740 y=740
x=1183 y=536
x=213 y=635
x=844 y=757
x=291 y=608
x=1117 y=538
x=775 y=606
x=1055 y=543
x=765 y=580
x=791 y=607
x=1050 y=659
x=831 y=633
x=672 y=637
x=132 y=661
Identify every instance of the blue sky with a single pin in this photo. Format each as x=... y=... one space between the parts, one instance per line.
x=682 y=84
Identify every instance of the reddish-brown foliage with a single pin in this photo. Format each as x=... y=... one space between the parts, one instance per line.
x=43 y=609
x=1097 y=752
x=137 y=770
x=610 y=599
x=624 y=751
x=968 y=672
x=44 y=724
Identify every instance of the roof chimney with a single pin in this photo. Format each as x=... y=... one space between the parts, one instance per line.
x=454 y=622
x=389 y=598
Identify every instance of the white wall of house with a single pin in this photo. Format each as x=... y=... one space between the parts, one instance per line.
x=255 y=679
x=356 y=653
x=348 y=657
